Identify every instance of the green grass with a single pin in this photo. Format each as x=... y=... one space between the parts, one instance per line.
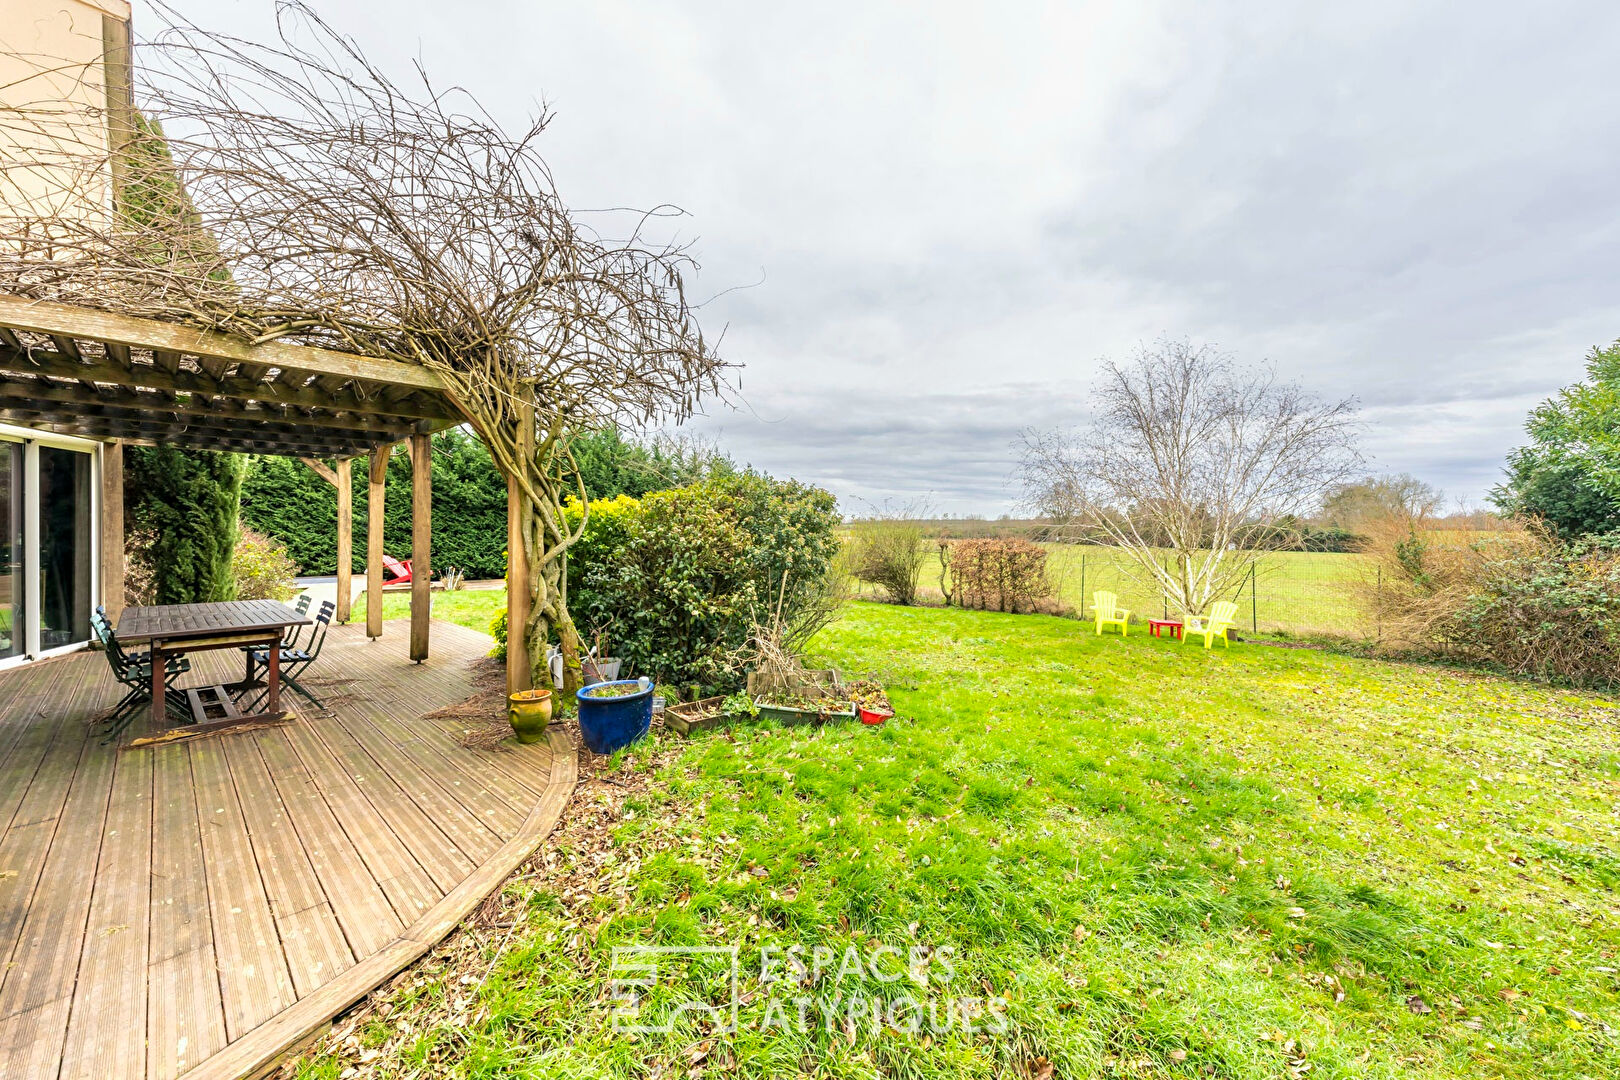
x=1299 y=592
x=472 y=608
x=1171 y=862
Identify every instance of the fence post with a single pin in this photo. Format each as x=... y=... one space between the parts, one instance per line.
x=1378 y=606
x=1082 y=584
x=1254 y=601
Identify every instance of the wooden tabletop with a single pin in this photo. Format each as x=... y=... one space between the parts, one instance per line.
x=176 y=622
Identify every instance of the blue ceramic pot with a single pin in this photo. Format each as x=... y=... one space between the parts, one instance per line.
x=609 y=723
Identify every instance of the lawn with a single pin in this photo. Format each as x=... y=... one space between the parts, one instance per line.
x=1298 y=592
x=471 y=608
x=1260 y=862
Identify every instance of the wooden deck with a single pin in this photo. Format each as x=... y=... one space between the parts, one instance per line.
x=196 y=909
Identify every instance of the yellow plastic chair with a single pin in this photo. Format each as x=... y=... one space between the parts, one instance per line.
x=1105 y=606
x=1215 y=625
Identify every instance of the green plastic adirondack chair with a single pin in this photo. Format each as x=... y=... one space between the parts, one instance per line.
x=1213 y=626
x=1105 y=606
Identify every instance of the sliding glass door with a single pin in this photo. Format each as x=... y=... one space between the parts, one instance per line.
x=47 y=543
x=11 y=550
x=65 y=593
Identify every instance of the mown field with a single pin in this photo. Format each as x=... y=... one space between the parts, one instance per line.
x=1253 y=863
x=1292 y=591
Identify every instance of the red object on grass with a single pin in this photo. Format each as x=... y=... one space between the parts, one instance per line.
x=1155 y=626
x=872 y=716
x=401 y=569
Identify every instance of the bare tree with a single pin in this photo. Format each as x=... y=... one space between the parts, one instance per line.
x=1190 y=452
x=328 y=205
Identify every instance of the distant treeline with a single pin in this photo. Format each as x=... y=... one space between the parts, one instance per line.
x=1311 y=536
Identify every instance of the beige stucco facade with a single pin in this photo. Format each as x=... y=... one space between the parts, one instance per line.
x=64 y=96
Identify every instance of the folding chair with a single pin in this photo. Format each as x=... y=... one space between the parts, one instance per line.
x=136 y=677
x=400 y=568
x=295 y=660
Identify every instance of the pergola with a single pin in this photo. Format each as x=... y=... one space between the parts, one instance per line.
x=82 y=371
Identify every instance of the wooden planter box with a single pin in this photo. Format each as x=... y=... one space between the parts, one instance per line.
x=691 y=716
x=788 y=717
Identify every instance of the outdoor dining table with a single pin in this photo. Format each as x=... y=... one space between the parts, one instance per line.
x=176 y=629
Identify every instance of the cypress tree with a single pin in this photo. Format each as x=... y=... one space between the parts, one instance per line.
x=186 y=502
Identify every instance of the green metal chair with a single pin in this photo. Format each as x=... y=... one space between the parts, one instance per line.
x=134 y=673
x=295 y=660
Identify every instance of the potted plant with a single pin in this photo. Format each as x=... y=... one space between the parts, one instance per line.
x=870 y=701
x=614 y=714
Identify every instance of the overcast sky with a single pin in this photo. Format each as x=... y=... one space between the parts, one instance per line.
x=934 y=219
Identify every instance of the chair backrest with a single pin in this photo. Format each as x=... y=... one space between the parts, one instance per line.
x=393 y=563
x=1104 y=604
x=301 y=605
x=323 y=623
x=1222 y=614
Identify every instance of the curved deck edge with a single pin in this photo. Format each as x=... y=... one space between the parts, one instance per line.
x=267 y=1046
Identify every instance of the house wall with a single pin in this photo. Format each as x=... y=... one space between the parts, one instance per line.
x=64 y=106
x=64 y=101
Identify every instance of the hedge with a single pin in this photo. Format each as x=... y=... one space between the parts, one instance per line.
x=284 y=499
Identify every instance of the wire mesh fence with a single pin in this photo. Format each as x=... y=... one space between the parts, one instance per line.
x=1296 y=592
x=1292 y=592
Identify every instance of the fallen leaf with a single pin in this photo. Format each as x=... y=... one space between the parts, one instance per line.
x=1040 y=1069
x=1417 y=1005
x=1178 y=1055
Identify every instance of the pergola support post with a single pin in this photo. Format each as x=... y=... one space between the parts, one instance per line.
x=519 y=676
x=345 y=538
x=112 y=529
x=421 y=545
x=374 y=540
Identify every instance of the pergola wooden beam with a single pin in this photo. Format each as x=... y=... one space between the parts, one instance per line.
x=518 y=675
x=198 y=404
x=341 y=478
x=44 y=317
x=421 y=544
x=228 y=427
x=375 y=491
x=22 y=361
x=165 y=435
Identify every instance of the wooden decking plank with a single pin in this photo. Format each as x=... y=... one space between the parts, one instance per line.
x=106 y=1035
x=322 y=856
x=38 y=987
x=311 y=940
x=437 y=853
x=432 y=786
x=25 y=846
x=498 y=800
x=368 y=920
x=185 y=1013
x=409 y=888
x=253 y=977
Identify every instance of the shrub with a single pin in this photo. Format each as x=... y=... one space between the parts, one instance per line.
x=675 y=579
x=1522 y=600
x=262 y=568
x=889 y=553
x=998 y=575
x=497 y=630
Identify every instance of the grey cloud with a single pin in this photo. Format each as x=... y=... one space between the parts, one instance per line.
x=958 y=208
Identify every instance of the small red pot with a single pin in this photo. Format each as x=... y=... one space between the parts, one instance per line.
x=868 y=716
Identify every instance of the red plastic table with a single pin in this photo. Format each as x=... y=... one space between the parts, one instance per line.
x=1157 y=626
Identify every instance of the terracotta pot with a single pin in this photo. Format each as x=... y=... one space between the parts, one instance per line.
x=529 y=711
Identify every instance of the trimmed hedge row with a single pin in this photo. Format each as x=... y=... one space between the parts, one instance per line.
x=284 y=499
